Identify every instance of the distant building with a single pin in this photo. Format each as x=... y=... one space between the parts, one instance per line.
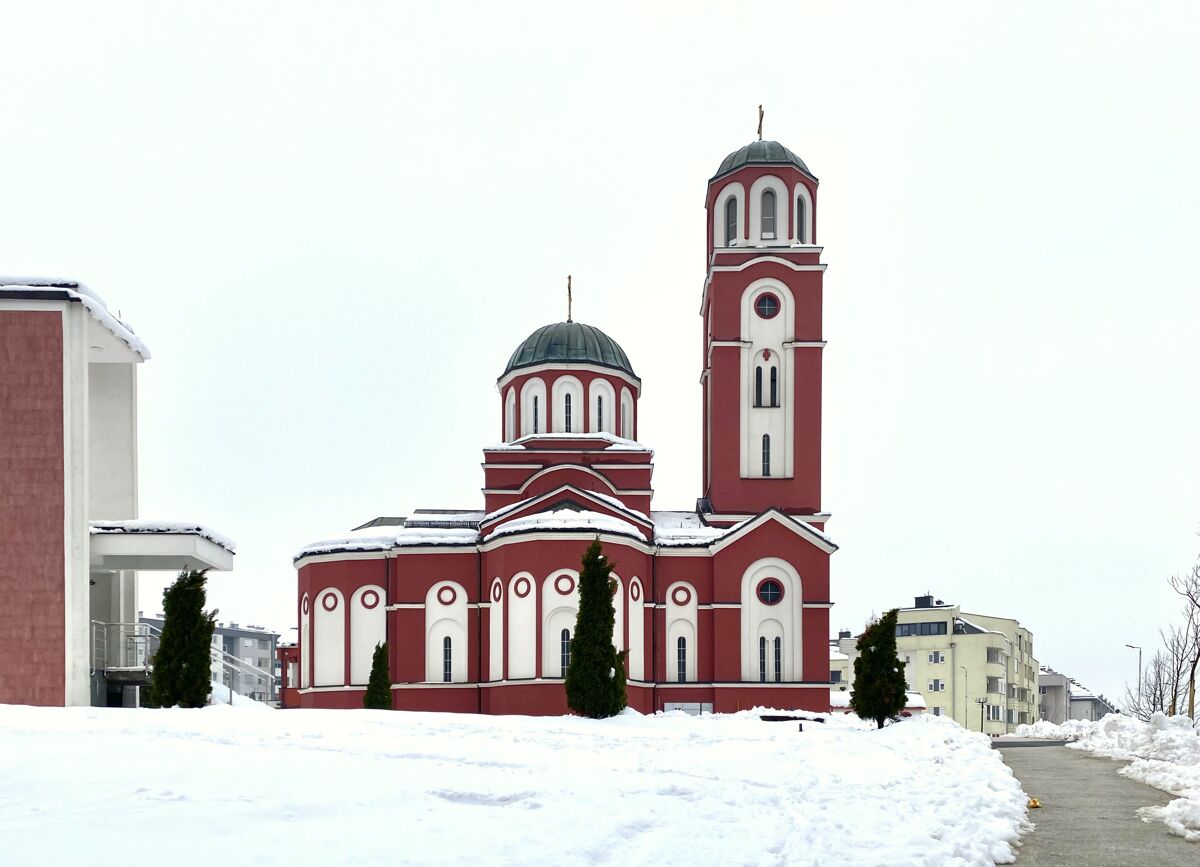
x=976 y=668
x=1087 y=705
x=1054 y=696
x=244 y=658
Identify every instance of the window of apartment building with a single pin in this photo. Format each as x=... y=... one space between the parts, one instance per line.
x=936 y=656
x=1011 y=716
x=937 y=711
x=995 y=657
x=247 y=642
x=937 y=627
x=937 y=685
x=993 y=713
x=1041 y=690
x=835 y=677
x=263 y=644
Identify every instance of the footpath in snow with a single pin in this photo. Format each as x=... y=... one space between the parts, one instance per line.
x=1164 y=753
x=237 y=785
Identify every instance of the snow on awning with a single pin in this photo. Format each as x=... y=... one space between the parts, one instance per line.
x=159 y=545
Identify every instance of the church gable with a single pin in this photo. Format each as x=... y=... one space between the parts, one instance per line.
x=563 y=501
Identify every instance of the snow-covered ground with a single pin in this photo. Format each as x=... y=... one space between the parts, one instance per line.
x=1164 y=753
x=234 y=785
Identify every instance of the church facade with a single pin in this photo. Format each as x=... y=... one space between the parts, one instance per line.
x=721 y=607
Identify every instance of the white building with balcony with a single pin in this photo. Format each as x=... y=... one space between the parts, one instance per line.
x=69 y=501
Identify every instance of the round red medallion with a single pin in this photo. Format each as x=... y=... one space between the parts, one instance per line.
x=329 y=602
x=304 y=605
x=370 y=599
x=446 y=595
x=497 y=592
x=635 y=591
x=681 y=596
x=521 y=588
x=564 y=584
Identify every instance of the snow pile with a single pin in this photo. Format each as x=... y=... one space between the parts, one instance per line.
x=1164 y=753
x=186 y=528
x=1044 y=729
x=223 y=696
x=568 y=519
x=316 y=787
x=91 y=301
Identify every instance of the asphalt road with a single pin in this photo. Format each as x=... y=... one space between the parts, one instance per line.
x=1089 y=813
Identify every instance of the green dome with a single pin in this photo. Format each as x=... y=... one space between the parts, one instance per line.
x=570 y=342
x=761 y=153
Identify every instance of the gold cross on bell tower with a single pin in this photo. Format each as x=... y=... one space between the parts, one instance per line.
x=760 y=117
x=568 y=297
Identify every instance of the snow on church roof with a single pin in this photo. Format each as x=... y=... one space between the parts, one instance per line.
x=568 y=519
x=675 y=529
x=76 y=291
x=529 y=441
x=386 y=537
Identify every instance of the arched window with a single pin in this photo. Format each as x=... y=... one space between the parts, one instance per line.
x=731 y=207
x=774 y=386
x=800 y=220
x=447 y=660
x=681 y=659
x=762 y=660
x=758 y=385
x=778 y=659
x=768 y=214
x=766 y=454
x=567 y=413
x=565 y=650
x=535 y=415
x=600 y=412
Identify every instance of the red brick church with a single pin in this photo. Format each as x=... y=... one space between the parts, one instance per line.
x=721 y=606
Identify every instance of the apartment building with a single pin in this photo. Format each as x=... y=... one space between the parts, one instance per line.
x=243 y=657
x=977 y=668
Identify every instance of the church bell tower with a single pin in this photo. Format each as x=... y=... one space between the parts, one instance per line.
x=762 y=335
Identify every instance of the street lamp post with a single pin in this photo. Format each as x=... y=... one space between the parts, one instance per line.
x=1139 y=674
x=966 y=695
x=982 y=702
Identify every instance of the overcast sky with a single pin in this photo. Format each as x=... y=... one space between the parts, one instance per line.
x=332 y=223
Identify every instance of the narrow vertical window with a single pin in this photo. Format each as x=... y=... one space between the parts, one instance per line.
x=564 y=640
x=730 y=220
x=766 y=454
x=535 y=414
x=758 y=386
x=447 y=660
x=600 y=412
x=800 y=220
x=681 y=659
x=774 y=386
x=762 y=660
x=778 y=659
x=567 y=412
x=768 y=214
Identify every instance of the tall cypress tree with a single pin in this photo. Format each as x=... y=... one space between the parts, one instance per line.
x=182 y=666
x=379 y=687
x=595 y=680
x=879 y=688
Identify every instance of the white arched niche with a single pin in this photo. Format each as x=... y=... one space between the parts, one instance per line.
x=783 y=618
x=602 y=401
x=736 y=191
x=568 y=419
x=510 y=414
x=533 y=407
x=560 y=610
x=329 y=638
x=776 y=186
x=627 y=419
x=446 y=617
x=522 y=627
x=368 y=627
x=681 y=623
x=637 y=630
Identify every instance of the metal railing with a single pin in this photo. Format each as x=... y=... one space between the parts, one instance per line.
x=131 y=647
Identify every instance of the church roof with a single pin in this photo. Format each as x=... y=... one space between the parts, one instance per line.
x=760 y=153
x=571 y=342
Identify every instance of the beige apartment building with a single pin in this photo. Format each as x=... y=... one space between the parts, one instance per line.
x=976 y=668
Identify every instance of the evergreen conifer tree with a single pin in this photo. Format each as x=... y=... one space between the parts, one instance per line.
x=879 y=688
x=182 y=666
x=595 y=679
x=379 y=687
